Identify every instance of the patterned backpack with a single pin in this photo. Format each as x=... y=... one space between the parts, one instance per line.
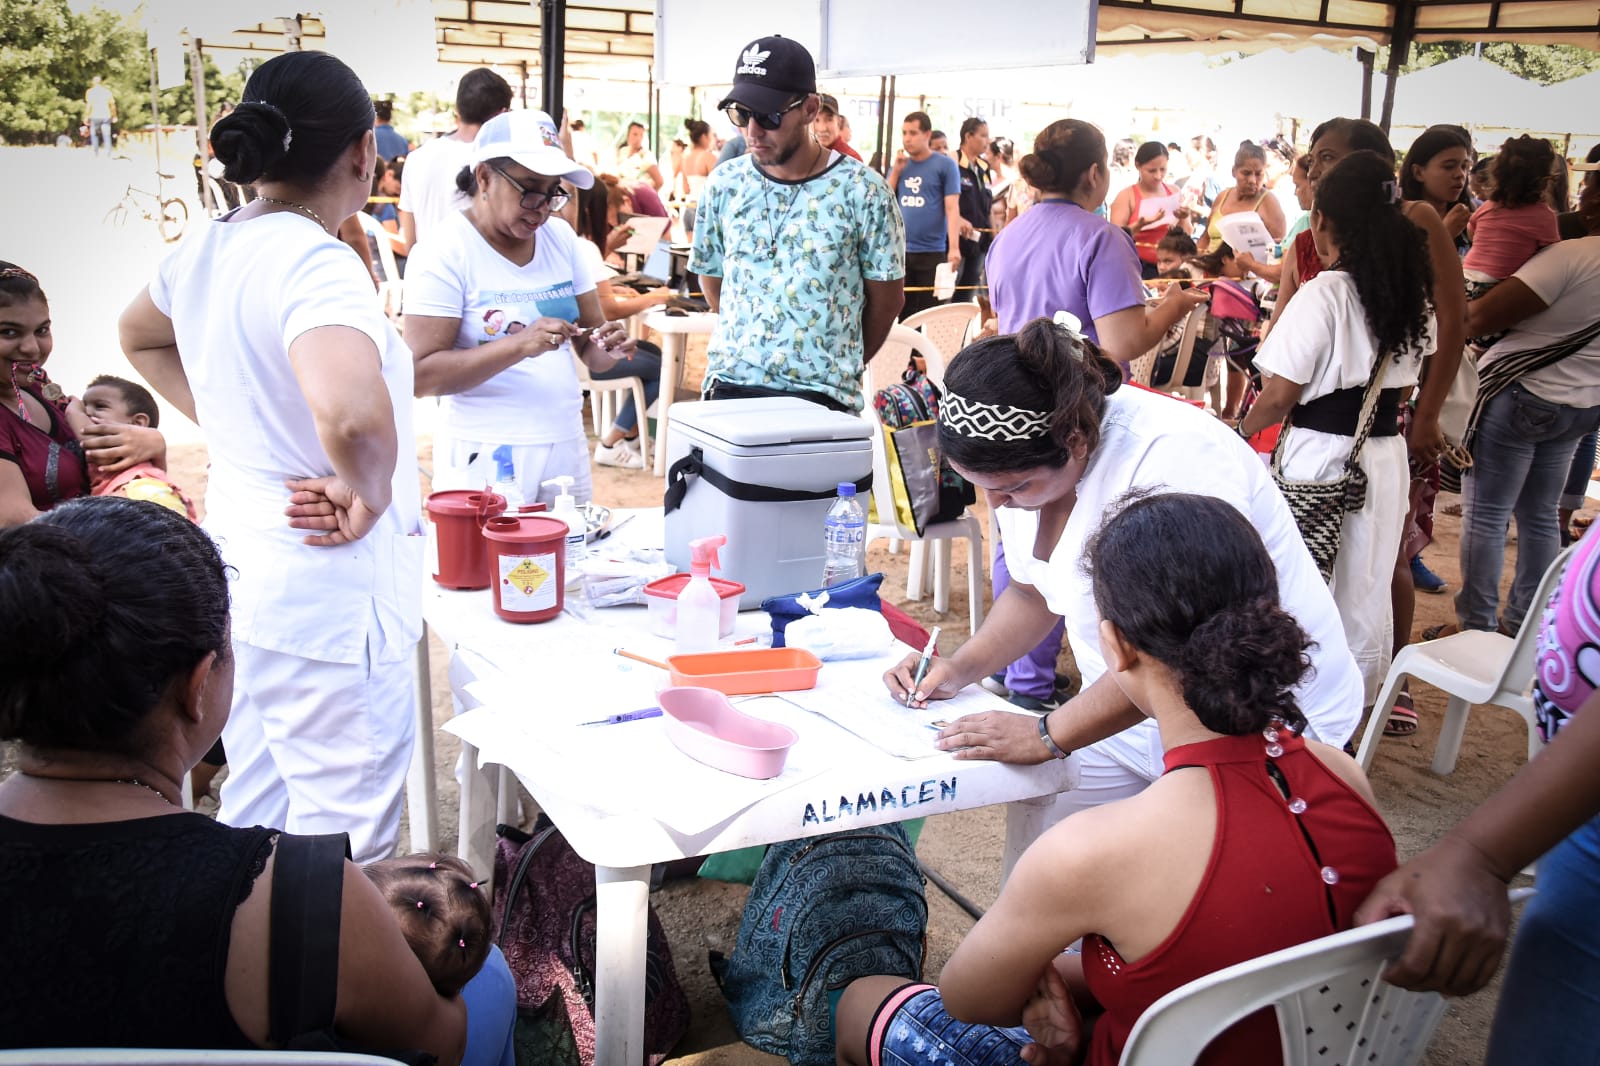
x=822 y=912
x=916 y=399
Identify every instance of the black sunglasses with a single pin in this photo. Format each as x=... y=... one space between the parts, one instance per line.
x=533 y=199
x=767 y=120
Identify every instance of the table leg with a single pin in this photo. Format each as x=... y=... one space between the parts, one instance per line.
x=1025 y=820
x=674 y=352
x=622 y=902
x=421 y=789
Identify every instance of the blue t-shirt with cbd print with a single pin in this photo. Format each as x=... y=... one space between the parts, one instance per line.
x=793 y=258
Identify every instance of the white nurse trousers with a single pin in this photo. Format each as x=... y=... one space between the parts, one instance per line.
x=319 y=747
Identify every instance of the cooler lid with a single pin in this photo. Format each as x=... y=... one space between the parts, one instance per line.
x=769 y=420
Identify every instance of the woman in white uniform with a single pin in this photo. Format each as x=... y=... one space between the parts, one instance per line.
x=1038 y=420
x=1367 y=313
x=498 y=300
x=264 y=329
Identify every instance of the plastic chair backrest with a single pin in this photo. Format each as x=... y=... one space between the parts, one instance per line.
x=946 y=326
x=1332 y=1003
x=380 y=237
x=1191 y=333
x=902 y=338
x=1518 y=672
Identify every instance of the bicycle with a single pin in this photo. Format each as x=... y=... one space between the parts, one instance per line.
x=173 y=216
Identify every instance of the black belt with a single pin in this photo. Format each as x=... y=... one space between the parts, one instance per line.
x=1339 y=412
x=717 y=389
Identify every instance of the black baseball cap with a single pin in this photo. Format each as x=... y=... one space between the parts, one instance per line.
x=770 y=73
x=829 y=104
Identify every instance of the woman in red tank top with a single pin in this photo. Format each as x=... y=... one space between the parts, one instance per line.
x=1149 y=207
x=1252 y=841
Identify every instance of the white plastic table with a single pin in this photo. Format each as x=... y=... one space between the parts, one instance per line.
x=623 y=842
x=674 y=330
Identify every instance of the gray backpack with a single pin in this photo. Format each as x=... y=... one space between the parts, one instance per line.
x=822 y=912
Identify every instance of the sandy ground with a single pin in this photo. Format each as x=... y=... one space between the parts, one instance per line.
x=91 y=270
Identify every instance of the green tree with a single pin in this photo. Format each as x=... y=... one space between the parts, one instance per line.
x=48 y=56
x=1542 y=63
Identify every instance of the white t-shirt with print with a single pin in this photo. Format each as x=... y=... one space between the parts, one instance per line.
x=428 y=188
x=1160 y=444
x=458 y=275
x=1566 y=276
x=239 y=294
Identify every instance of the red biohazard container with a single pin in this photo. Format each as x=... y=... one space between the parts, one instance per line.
x=458 y=515
x=527 y=566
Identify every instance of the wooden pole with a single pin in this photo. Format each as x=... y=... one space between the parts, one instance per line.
x=197 y=80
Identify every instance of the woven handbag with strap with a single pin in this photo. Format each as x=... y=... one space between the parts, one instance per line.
x=1319 y=507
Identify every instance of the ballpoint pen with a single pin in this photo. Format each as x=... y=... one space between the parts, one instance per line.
x=627 y=716
x=922 y=665
x=604 y=533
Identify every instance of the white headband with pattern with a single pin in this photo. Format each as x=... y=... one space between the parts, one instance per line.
x=991 y=421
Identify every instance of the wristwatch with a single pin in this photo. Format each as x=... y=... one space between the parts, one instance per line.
x=1056 y=751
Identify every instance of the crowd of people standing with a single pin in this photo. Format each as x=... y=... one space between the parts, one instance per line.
x=1220 y=669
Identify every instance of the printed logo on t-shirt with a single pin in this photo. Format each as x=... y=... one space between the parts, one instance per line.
x=913 y=184
x=503 y=313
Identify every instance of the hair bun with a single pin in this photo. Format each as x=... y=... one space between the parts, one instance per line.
x=250 y=140
x=1244 y=661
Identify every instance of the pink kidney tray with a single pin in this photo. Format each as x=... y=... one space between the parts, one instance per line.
x=709 y=729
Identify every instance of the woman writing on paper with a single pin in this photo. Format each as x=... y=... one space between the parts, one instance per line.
x=1039 y=421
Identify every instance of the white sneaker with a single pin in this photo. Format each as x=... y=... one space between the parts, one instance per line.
x=618 y=455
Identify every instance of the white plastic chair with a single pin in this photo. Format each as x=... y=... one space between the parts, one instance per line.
x=948 y=327
x=98 y=1056
x=605 y=404
x=1333 y=1006
x=1142 y=368
x=391 y=290
x=939 y=534
x=1474 y=667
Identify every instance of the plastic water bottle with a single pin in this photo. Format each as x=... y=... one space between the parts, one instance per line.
x=844 y=538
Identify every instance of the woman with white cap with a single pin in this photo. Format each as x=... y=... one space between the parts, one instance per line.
x=498 y=299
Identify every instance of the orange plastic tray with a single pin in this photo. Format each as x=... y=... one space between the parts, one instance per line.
x=739 y=673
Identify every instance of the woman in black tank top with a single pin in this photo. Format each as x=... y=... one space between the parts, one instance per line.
x=128 y=921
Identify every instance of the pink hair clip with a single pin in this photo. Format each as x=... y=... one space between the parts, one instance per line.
x=474 y=884
x=461 y=943
x=433 y=866
x=420 y=905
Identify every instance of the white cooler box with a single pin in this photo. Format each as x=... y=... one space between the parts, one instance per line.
x=769 y=469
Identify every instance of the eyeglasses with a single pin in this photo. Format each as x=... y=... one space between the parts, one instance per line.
x=769 y=120
x=533 y=199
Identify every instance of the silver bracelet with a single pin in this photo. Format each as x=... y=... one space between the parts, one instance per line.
x=1044 y=734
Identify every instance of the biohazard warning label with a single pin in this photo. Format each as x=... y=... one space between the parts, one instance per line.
x=527 y=582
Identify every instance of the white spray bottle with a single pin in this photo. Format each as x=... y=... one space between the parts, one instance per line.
x=699 y=606
x=566 y=509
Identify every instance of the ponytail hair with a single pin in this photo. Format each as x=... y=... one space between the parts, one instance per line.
x=1062 y=154
x=1383 y=251
x=1187 y=581
x=1046 y=370
x=443 y=913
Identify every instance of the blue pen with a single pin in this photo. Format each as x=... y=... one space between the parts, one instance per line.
x=626 y=716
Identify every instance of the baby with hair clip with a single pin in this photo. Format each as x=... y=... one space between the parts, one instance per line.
x=443 y=912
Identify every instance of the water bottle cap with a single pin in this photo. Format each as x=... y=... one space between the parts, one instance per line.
x=847 y=488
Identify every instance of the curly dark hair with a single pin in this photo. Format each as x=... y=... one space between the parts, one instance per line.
x=1187 y=581
x=1522 y=171
x=1042 y=368
x=1385 y=253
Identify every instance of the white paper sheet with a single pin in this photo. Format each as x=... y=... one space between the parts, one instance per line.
x=633 y=768
x=852 y=693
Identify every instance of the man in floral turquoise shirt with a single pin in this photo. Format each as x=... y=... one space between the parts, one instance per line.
x=801 y=250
